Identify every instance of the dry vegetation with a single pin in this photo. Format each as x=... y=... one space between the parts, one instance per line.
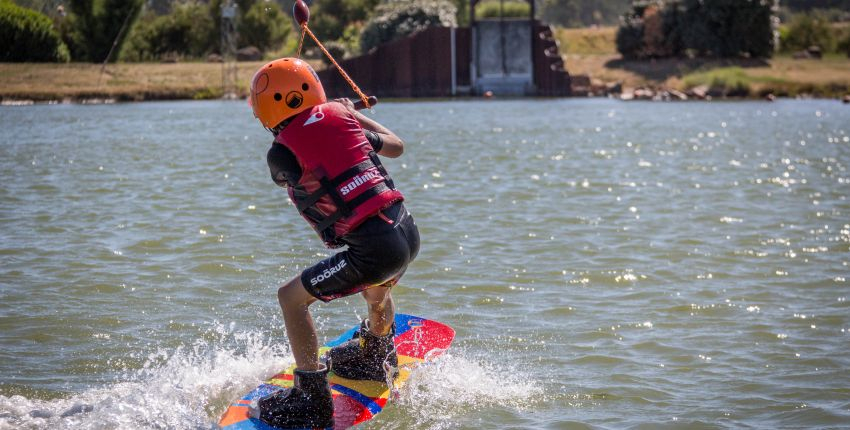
x=146 y=81
x=587 y=41
x=592 y=52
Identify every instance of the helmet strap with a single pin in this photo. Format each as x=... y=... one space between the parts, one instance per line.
x=278 y=128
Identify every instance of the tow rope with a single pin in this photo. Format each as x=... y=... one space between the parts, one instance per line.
x=301 y=13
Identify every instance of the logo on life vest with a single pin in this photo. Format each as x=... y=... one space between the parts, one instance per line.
x=327 y=273
x=358 y=181
x=316 y=117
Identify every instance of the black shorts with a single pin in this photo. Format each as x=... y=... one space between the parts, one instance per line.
x=378 y=253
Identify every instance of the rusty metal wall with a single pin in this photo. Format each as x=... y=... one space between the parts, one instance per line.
x=416 y=66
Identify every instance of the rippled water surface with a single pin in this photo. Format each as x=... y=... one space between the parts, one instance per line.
x=605 y=265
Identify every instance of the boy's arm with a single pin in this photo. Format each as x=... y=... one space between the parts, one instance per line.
x=393 y=145
x=283 y=166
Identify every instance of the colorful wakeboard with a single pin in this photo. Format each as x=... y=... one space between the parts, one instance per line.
x=416 y=340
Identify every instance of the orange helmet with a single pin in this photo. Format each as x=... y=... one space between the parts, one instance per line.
x=283 y=88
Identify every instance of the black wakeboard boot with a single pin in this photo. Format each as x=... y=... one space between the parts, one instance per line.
x=308 y=404
x=367 y=356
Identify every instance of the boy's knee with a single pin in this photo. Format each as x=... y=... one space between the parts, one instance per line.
x=377 y=297
x=293 y=293
x=283 y=295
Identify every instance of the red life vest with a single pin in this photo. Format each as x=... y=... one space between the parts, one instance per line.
x=342 y=182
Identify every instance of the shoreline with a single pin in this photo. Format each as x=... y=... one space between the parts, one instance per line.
x=23 y=84
x=85 y=83
x=637 y=95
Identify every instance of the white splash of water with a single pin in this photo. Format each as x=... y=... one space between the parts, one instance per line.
x=190 y=386
x=184 y=388
x=438 y=393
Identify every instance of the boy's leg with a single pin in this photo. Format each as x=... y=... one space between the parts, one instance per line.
x=381 y=309
x=295 y=302
x=309 y=403
x=371 y=352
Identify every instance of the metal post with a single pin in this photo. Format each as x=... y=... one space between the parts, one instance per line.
x=534 y=37
x=229 y=37
x=473 y=67
x=454 y=61
x=502 y=37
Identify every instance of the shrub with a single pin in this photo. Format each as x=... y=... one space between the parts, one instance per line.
x=186 y=31
x=805 y=31
x=401 y=18
x=27 y=35
x=264 y=26
x=508 y=9
x=630 y=35
x=731 y=81
x=462 y=14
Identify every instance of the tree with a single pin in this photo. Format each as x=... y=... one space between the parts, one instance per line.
x=264 y=25
x=93 y=27
x=630 y=38
x=723 y=28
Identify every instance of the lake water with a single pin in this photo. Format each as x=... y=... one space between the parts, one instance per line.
x=605 y=264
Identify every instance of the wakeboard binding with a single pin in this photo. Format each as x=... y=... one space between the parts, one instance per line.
x=308 y=404
x=366 y=356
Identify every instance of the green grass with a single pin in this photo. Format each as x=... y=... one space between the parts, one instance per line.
x=593 y=51
x=739 y=82
x=587 y=41
x=728 y=77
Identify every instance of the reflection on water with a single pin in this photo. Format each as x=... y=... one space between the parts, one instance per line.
x=604 y=264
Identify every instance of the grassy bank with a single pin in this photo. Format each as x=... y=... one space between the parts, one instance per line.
x=590 y=51
x=593 y=52
x=122 y=82
x=587 y=41
x=782 y=76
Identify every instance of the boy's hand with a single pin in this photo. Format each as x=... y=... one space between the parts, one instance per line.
x=393 y=146
x=347 y=103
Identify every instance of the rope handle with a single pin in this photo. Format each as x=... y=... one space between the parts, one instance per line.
x=359 y=105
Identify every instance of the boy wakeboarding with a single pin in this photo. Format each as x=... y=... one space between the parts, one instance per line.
x=326 y=155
